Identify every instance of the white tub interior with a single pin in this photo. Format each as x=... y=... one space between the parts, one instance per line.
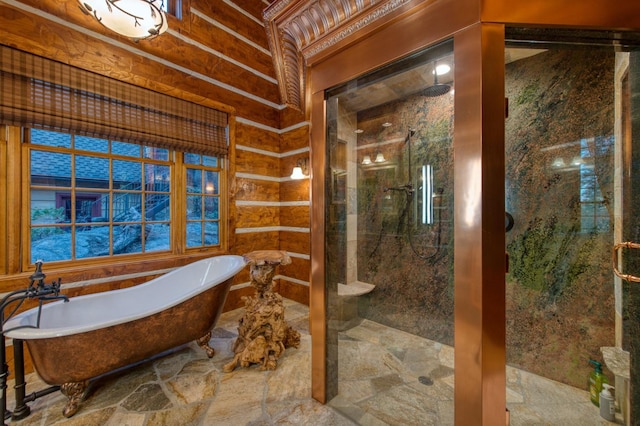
x=94 y=311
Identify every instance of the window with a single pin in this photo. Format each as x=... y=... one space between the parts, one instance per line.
x=203 y=200
x=173 y=7
x=594 y=214
x=93 y=197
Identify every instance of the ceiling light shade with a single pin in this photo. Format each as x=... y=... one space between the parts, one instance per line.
x=136 y=19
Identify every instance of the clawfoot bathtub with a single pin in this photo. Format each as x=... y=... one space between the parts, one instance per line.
x=98 y=333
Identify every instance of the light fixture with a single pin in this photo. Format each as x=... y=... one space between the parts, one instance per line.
x=301 y=170
x=442 y=69
x=379 y=158
x=558 y=162
x=366 y=160
x=136 y=19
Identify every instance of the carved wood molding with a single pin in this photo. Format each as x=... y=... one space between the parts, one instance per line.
x=300 y=30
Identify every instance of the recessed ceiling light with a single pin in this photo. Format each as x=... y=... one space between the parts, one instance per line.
x=387 y=124
x=442 y=69
x=359 y=131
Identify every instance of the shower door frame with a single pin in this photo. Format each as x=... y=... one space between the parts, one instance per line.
x=477 y=28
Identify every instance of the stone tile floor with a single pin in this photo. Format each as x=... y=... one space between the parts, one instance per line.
x=407 y=380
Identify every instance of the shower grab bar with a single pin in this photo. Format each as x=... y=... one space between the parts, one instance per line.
x=614 y=261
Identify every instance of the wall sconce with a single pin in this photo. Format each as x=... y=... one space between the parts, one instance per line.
x=366 y=160
x=379 y=158
x=136 y=19
x=301 y=170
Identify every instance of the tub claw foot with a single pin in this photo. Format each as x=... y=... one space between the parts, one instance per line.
x=203 y=342
x=75 y=392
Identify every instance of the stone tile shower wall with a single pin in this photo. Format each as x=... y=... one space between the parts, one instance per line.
x=560 y=304
x=559 y=184
x=410 y=265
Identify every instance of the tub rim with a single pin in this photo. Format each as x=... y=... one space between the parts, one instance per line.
x=18 y=327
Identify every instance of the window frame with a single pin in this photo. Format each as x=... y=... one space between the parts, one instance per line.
x=178 y=193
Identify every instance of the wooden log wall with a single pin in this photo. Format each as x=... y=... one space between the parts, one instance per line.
x=217 y=55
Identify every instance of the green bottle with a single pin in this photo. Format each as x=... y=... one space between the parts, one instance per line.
x=596 y=380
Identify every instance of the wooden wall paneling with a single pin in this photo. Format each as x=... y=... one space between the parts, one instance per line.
x=291 y=116
x=297 y=216
x=250 y=241
x=295 y=139
x=253 y=7
x=227 y=72
x=298 y=269
x=231 y=18
x=294 y=291
x=256 y=190
x=297 y=242
x=257 y=216
x=294 y=190
x=253 y=162
x=59 y=42
x=256 y=137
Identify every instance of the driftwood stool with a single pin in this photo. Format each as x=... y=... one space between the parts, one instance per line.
x=263 y=333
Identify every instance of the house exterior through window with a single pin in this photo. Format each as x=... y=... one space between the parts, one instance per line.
x=93 y=197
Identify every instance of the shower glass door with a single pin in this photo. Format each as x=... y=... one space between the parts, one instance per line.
x=389 y=242
x=571 y=189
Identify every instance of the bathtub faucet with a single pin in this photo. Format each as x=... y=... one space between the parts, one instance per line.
x=38 y=288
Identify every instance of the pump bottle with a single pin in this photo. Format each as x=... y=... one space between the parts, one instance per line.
x=596 y=379
x=607 y=404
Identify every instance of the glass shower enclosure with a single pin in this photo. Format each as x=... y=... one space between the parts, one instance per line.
x=389 y=240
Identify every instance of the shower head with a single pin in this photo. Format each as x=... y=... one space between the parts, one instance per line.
x=410 y=133
x=436 y=90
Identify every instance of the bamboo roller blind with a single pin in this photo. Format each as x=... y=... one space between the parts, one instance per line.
x=39 y=92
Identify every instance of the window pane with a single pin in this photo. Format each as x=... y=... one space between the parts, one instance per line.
x=47 y=207
x=127 y=207
x=92 y=207
x=156 y=177
x=194 y=234
x=156 y=153
x=210 y=161
x=86 y=143
x=92 y=172
x=157 y=207
x=92 y=241
x=127 y=175
x=50 y=169
x=194 y=207
x=127 y=239
x=211 y=182
x=211 y=233
x=158 y=238
x=50 y=243
x=45 y=137
x=194 y=181
x=211 y=209
x=128 y=149
x=192 y=159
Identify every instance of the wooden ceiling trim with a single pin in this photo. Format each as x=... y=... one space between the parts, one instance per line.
x=299 y=31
